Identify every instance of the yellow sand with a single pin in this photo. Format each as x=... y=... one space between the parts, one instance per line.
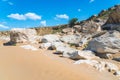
x=20 y=64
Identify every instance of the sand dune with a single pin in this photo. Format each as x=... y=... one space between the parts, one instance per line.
x=19 y=64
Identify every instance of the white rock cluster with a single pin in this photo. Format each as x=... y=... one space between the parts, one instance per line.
x=59 y=44
x=105 y=44
x=99 y=65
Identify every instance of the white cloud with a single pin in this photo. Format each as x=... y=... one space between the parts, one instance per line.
x=43 y=23
x=31 y=16
x=79 y=10
x=3 y=26
x=10 y=3
x=62 y=16
x=91 y=1
x=17 y=16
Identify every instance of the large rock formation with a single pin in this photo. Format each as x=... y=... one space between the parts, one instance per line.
x=91 y=26
x=113 y=22
x=107 y=43
x=23 y=35
x=114 y=17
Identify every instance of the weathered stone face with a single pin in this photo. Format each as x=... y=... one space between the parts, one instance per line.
x=71 y=39
x=50 y=38
x=67 y=30
x=18 y=37
x=22 y=35
x=86 y=54
x=91 y=26
x=114 y=17
x=113 y=22
x=107 y=43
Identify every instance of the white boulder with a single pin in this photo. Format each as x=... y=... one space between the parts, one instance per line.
x=107 y=43
x=68 y=52
x=71 y=39
x=86 y=54
x=55 y=45
x=50 y=38
x=64 y=49
x=22 y=35
x=45 y=45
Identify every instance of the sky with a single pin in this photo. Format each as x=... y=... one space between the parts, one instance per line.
x=34 y=13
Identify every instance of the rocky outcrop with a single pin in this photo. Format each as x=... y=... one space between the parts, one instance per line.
x=91 y=26
x=88 y=37
x=71 y=39
x=53 y=45
x=111 y=27
x=84 y=40
x=50 y=41
x=107 y=43
x=68 y=30
x=23 y=35
x=77 y=28
x=113 y=22
x=114 y=17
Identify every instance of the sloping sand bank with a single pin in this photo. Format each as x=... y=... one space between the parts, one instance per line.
x=19 y=64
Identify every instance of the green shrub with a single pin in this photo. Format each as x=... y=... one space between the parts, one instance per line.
x=72 y=22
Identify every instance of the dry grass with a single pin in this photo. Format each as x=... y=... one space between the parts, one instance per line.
x=43 y=31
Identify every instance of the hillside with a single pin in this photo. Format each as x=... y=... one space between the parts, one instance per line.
x=104 y=14
x=69 y=51
x=101 y=17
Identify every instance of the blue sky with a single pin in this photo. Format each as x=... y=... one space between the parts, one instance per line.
x=33 y=13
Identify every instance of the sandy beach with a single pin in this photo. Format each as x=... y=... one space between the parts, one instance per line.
x=68 y=40
x=19 y=64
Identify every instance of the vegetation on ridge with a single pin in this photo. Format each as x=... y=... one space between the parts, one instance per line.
x=72 y=22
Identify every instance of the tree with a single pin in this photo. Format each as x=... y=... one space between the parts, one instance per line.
x=72 y=22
